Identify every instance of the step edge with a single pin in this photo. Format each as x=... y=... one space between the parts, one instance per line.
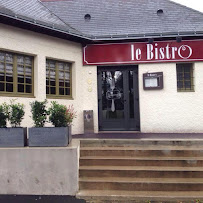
x=144 y=183
x=162 y=181
x=143 y=168
x=123 y=193
x=143 y=149
x=158 y=158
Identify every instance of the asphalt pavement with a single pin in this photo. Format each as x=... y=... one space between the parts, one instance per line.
x=38 y=199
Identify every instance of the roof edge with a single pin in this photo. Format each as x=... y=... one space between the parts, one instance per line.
x=41 y=24
x=179 y=4
x=89 y=38
x=149 y=35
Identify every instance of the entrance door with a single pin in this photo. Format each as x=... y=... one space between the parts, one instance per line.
x=118 y=98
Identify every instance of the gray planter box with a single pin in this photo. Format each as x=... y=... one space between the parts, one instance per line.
x=13 y=137
x=49 y=136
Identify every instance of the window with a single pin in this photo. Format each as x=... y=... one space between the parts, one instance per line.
x=58 y=79
x=185 y=80
x=16 y=74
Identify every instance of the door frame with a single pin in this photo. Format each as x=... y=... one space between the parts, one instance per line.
x=124 y=126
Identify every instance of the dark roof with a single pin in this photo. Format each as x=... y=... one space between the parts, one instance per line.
x=122 y=17
x=33 y=11
x=30 y=8
x=110 y=19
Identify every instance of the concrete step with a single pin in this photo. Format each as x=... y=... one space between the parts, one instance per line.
x=140 y=142
x=137 y=161
x=140 y=158
x=149 y=168
x=129 y=171
x=149 y=147
x=140 y=186
x=111 y=196
x=144 y=151
x=141 y=172
x=141 y=180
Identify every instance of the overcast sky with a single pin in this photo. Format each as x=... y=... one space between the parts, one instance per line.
x=195 y=4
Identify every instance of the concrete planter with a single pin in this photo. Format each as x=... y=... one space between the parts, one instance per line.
x=13 y=137
x=49 y=136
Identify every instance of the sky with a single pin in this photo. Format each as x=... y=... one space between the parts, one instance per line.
x=195 y=4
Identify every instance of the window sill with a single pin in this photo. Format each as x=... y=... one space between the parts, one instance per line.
x=16 y=95
x=185 y=90
x=60 y=97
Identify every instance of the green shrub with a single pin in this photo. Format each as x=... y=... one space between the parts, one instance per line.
x=15 y=113
x=3 y=116
x=39 y=113
x=60 y=115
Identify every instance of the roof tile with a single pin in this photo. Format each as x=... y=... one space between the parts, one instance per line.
x=113 y=17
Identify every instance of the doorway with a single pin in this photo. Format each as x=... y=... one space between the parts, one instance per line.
x=118 y=98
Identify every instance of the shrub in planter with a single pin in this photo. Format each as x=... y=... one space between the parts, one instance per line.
x=60 y=115
x=59 y=135
x=3 y=116
x=70 y=115
x=57 y=115
x=39 y=113
x=14 y=136
x=15 y=114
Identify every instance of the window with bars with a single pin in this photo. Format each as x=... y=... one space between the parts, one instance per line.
x=16 y=74
x=58 y=79
x=185 y=79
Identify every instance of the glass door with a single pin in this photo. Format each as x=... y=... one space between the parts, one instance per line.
x=118 y=98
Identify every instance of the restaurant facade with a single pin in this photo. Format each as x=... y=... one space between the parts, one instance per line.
x=149 y=83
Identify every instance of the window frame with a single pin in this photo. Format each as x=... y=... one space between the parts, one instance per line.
x=57 y=95
x=185 y=89
x=15 y=82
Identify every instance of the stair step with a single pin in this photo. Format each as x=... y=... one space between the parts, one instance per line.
x=139 y=158
x=140 y=142
x=143 y=172
x=141 y=162
x=141 y=180
x=151 y=148
x=140 y=196
x=140 y=186
x=140 y=168
x=125 y=151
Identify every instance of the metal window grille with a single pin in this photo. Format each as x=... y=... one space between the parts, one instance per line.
x=185 y=79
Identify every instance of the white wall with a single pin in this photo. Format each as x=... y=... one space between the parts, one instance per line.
x=168 y=110
x=160 y=110
x=42 y=46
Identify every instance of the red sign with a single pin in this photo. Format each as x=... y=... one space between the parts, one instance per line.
x=135 y=53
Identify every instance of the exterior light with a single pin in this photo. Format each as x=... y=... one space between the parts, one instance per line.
x=150 y=40
x=178 y=39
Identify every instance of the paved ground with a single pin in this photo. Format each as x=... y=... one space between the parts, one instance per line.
x=38 y=199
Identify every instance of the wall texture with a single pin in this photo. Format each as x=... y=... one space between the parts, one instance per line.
x=42 y=47
x=39 y=171
x=168 y=110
